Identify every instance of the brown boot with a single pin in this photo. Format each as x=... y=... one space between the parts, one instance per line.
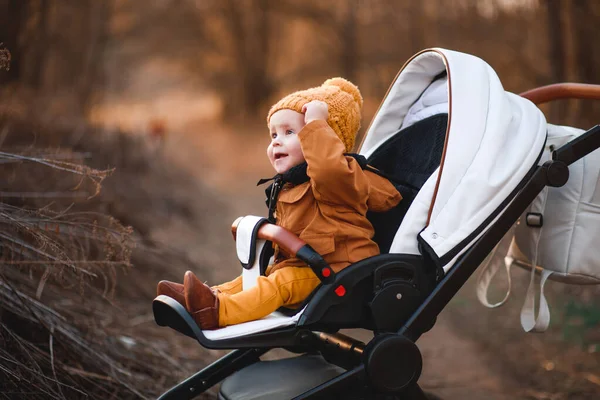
x=201 y=301
x=171 y=289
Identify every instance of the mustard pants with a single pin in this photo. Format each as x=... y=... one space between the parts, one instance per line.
x=287 y=287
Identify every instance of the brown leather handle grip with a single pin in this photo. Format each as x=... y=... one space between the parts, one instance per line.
x=286 y=240
x=557 y=91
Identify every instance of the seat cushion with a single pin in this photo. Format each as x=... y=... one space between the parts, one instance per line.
x=278 y=379
x=410 y=157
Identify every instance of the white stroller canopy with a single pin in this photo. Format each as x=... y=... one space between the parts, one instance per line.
x=493 y=140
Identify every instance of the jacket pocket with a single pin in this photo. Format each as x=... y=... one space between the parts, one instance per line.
x=293 y=194
x=322 y=243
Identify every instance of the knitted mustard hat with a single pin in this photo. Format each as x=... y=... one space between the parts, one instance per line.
x=343 y=100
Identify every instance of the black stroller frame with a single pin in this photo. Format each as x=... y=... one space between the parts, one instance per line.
x=390 y=364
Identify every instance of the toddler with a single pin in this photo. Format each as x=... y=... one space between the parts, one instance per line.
x=320 y=194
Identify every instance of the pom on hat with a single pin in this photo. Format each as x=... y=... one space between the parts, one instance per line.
x=347 y=87
x=344 y=102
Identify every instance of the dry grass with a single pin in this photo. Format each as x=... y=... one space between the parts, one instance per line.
x=75 y=282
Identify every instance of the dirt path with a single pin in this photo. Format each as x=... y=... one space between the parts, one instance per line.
x=455 y=367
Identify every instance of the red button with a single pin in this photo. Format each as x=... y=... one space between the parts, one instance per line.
x=326 y=272
x=340 y=290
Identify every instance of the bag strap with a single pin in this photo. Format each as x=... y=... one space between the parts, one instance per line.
x=489 y=270
x=529 y=321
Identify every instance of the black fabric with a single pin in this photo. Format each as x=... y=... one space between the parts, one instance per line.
x=296 y=175
x=362 y=161
x=278 y=379
x=411 y=155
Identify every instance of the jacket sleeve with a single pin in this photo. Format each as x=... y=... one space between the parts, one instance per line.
x=334 y=178
x=382 y=194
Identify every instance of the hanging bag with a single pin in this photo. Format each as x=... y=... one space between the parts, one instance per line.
x=559 y=233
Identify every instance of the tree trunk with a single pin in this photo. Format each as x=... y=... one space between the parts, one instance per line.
x=349 y=57
x=11 y=24
x=92 y=71
x=240 y=69
x=258 y=85
x=415 y=26
x=39 y=46
x=556 y=35
x=251 y=45
x=586 y=33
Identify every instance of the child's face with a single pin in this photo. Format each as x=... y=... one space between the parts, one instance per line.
x=284 y=151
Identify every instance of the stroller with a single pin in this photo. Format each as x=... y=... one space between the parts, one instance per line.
x=466 y=170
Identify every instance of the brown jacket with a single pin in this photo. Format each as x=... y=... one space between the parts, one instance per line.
x=329 y=211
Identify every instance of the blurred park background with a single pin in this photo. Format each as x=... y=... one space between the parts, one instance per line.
x=132 y=133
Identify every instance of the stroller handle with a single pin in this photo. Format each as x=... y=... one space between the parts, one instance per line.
x=557 y=91
x=285 y=239
x=292 y=246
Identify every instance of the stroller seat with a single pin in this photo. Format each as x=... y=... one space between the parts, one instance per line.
x=465 y=175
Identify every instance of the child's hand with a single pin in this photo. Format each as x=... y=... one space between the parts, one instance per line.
x=315 y=110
